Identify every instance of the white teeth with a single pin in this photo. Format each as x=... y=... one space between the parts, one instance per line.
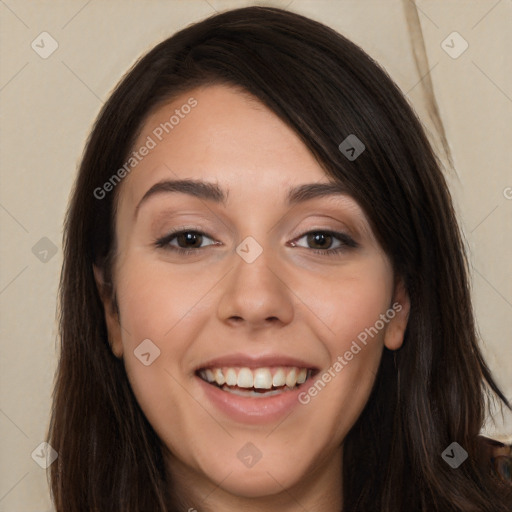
x=302 y=376
x=262 y=379
x=231 y=377
x=291 y=378
x=219 y=376
x=245 y=378
x=257 y=378
x=279 y=378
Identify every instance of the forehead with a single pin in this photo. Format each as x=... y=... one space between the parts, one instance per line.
x=229 y=138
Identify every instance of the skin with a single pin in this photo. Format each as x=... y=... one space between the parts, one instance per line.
x=212 y=303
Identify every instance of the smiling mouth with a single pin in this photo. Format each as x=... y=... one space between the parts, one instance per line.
x=256 y=382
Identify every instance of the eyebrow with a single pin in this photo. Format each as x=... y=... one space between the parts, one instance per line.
x=212 y=192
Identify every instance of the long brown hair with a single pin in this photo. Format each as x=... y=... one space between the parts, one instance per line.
x=428 y=394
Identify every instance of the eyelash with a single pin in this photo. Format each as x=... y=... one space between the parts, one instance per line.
x=347 y=242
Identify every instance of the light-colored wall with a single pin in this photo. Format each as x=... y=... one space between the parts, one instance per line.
x=48 y=106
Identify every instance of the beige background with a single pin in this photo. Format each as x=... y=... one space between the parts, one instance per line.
x=48 y=106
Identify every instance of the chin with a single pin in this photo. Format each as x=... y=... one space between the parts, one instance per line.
x=254 y=483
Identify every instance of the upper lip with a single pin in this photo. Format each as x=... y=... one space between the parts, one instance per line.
x=255 y=361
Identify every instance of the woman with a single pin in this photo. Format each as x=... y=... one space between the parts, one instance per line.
x=315 y=350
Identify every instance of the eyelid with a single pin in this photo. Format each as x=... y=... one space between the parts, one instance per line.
x=173 y=233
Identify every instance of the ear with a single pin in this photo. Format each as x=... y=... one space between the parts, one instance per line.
x=111 y=315
x=401 y=305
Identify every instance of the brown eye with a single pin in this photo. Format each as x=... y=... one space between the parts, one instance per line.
x=320 y=239
x=189 y=239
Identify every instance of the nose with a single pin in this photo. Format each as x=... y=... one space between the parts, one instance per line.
x=255 y=294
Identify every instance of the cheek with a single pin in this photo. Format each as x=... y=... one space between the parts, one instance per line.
x=356 y=315
x=338 y=393
x=168 y=305
x=157 y=326
x=155 y=296
x=351 y=301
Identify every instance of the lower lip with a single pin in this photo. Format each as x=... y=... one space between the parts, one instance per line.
x=254 y=410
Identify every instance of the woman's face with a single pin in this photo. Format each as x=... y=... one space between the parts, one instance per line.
x=280 y=283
